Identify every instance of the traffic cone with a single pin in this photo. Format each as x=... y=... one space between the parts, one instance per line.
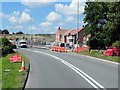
x=23 y=66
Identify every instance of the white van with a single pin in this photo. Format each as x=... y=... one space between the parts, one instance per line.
x=22 y=43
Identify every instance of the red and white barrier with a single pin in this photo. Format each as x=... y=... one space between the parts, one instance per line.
x=58 y=49
x=23 y=66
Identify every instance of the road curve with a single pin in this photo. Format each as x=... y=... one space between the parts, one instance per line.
x=68 y=70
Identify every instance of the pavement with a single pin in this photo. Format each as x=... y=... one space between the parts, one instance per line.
x=49 y=69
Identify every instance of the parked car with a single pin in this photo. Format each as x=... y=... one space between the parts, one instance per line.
x=22 y=43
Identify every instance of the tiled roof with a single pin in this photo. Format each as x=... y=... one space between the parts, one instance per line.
x=62 y=31
x=73 y=32
x=66 y=32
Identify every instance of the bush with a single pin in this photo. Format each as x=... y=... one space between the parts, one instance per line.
x=116 y=44
x=6 y=46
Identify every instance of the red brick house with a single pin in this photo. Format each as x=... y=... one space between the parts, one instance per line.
x=70 y=36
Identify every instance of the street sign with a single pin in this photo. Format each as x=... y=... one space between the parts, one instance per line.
x=15 y=58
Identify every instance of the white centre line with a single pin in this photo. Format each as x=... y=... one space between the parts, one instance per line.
x=89 y=79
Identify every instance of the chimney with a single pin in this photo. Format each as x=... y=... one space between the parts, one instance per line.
x=59 y=28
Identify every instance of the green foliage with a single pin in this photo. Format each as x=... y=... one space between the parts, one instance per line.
x=116 y=44
x=12 y=78
x=6 y=46
x=5 y=31
x=102 y=21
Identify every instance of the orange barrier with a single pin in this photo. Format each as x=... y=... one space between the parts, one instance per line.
x=58 y=49
x=23 y=66
x=53 y=48
x=62 y=49
x=78 y=49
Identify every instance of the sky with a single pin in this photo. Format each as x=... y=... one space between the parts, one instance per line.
x=40 y=17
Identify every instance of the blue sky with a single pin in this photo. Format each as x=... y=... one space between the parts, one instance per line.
x=43 y=16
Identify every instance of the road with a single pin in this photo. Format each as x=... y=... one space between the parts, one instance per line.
x=50 y=69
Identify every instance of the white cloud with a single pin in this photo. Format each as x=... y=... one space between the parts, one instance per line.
x=25 y=17
x=1 y=15
x=16 y=13
x=54 y=17
x=33 y=28
x=52 y=32
x=45 y=24
x=18 y=27
x=70 y=19
x=19 y=18
x=37 y=3
x=70 y=9
x=26 y=10
x=13 y=19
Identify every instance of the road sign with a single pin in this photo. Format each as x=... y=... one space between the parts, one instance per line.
x=15 y=58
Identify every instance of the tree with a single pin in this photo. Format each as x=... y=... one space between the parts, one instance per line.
x=13 y=33
x=102 y=21
x=6 y=46
x=20 y=32
x=5 y=31
x=0 y=31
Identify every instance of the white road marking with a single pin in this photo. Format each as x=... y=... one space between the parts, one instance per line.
x=80 y=74
x=84 y=74
x=89 y=79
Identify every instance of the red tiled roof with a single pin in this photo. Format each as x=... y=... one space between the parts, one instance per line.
x=62 y=31
x=66 y=32
x=73 y=32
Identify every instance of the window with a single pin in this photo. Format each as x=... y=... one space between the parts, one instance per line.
x=60 y=37
x=22 y=42
x=70 y=40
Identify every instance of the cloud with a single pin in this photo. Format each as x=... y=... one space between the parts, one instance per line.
x=13 y=19
x=1 y=15
x=18 y=18
x=37 y=3
x=18 y=27
x=16 y=13
x=33 y=28
x=70 y=9
x=26 y=10
x=54 y=17
x=25 y=17
x=45 y=24
x=70 y=19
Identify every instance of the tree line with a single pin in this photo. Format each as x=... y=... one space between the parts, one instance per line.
x=102 y=21
x=5 y=31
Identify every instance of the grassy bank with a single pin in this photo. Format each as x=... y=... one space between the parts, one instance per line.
x=0 y=73
x=100 y=54
x=11 y=77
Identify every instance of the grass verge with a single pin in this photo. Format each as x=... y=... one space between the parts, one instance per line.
x=11 y=77
x=0 y=73
x=100 y=54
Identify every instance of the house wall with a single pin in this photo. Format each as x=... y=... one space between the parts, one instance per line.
x=81 y=35
x=59 y=37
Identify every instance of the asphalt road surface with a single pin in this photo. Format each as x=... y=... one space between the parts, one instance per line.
x=49 y=69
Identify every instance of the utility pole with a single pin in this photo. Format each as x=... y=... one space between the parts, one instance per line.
x=77 y=33
x=31 y=36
